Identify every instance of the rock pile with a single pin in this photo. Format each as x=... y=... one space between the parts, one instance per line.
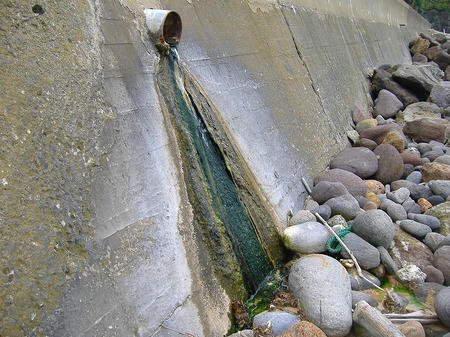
x=388 y=197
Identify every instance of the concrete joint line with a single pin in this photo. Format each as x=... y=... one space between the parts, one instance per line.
x=178 y=305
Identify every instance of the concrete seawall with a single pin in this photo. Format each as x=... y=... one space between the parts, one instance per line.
x=97 y=234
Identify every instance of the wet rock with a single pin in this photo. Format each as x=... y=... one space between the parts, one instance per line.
x=280 y=321
x=399 y=196
x=374 y=226
x=358 y=160
x=412 y=329
x=408 y=250
x=440 y=94
x=390 y=164
x=442 y=306
x=387 y=104
x=304 y=329
x=323 y=210
x=360 y=296
x=442 y=212
x=418 y=80
x=396 y=212
x=322 y=288
x=306 y=238
x=378 y=133
x=432 y=240
x=374 y=186
x=358 y=283
x=411 y=274
x=430 y=221
x=433 y=274
x=354 y=184
x=426 y=129
x=441 y=261
x=345 y=205
x=301 y=217
x=367 y=255
x=368 y=143
x=388 y=262
x=415 y=177
x=365 y=124
x=440 y=187
x=435 y=171
x=416 y=229
x=411 y=157
x=383 y=80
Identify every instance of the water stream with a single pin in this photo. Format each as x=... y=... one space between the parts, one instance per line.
x=212 y=191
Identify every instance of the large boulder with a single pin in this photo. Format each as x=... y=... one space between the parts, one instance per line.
x=390 y=164
x=387 y=104
x=307 y=237
x=322 y=287
x=440 y=94
x=418 y=80
x=367 y=255
x=374 y=226
x=427 y=129
x=358 y=160
x=354 y=184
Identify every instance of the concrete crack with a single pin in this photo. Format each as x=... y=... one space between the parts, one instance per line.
x=169 y=315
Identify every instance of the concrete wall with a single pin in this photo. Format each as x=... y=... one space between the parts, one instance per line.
x=96 y=233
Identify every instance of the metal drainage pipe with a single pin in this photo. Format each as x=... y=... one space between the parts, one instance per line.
x=165 y=27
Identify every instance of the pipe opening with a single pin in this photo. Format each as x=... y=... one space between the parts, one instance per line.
x=172 y=29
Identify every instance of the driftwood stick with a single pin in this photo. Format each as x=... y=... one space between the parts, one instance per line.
x=374 y=321
x=358 y=268
x=413 y=316
x=308 y=189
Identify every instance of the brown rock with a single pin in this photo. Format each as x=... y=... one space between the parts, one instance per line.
x=359 y=115
x=424 y=204
x=366 y=124
x=412 y=329
x=409 y=250
x=431 y=52
x=372 y=197
x=435 y=171
x=374 y=186
x=383 y=80
x=420 y=46
x=354 y=184
x=396 y=139
x=378 y=133
x=412 y=157
x=364 y=142
x=390 y=164
x=303 y=329
x=426 y=129
x=419 y=58
x=369 y=205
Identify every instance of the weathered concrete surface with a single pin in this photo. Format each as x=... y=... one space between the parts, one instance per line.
x=96 y=234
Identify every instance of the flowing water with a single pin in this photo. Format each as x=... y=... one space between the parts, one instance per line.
x=212 y=191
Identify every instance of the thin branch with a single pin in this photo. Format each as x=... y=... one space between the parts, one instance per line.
x=308 y=189
x=358 y=268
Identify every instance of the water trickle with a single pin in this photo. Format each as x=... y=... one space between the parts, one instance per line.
x=211 y=188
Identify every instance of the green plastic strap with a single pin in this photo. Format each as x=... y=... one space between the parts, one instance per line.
x=333 y=244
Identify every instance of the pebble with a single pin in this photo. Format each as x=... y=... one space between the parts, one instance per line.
x=372 y=197
x=396 y=139
x=325 y=190
x=429 y=220
x=378 y=133
x=415 y=177
x=442 y=306
x=433 y=240
x=433 y=274
x=420 y=191
x=367 y=255
x=280 y=320
x=445 y=242
x=436 y=200
x=445 y=159
x=410 y=206
x=360 y=296
x=412 y=329
x=411 y=274
x=431 y=155
x=424 y=204
x=337 y=220
x=399 y=196
x=323 y=210
x=306 y=238
x=396 y=212
x=303 y=329
x=388 y=262
x=345 y=205
x=322 y=288
x=401 y=183
x=358 y=283
x=354 y=184
x=416 y=229
x=424 y=147
x=387 y=104
x=374 y=186
x=364 y=142
x=375 y=227
x=440 y=187
x=365 y=124
x=441 y=261
x=301 y=217
x=407 y=168
x=390 y=164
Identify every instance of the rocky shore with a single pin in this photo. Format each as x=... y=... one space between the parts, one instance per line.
x=388 y=199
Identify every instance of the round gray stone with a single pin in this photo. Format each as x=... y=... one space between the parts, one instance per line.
x=416 y=229
x=301 y=217
x=358 y=160
x=358 y=283
x=345 y=205
x=433 y=240
x=441 y=260
x=436 y=200
x=429 y=220
x=442 y=306
x=418 y=191
x=367 y=255
x=374 y=226
x=415 y=177
x=360 y=296
x=411 y=206
x=323 y=210
x=399 y=196
x=306 y=238
x=280 y=320
x=325 y=190
x=387 y=261
x=322 y=287
x=396 y=212
x=433 y=274
x=440 y=187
